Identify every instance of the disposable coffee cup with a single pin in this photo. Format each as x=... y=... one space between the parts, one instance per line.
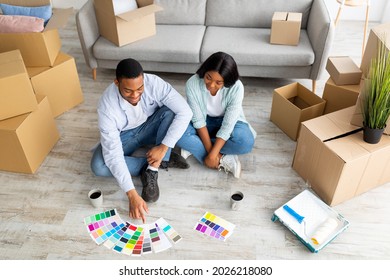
x=236 y=200
x=96 y=197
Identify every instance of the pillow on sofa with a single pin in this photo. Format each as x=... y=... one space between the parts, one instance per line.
x=123 y=6
x=43 y=12
x=20 y=24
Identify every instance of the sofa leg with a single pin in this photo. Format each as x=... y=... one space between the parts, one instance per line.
x=94 y=74
x=313 y=85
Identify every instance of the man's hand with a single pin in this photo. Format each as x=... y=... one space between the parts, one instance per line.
x=137 y=206
x=156 y=154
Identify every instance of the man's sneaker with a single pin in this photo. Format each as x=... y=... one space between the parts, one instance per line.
x=231 y=163
x=175 y=161
x=184 y=153
x=150 y=190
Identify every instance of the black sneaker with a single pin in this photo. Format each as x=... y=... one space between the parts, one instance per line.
x=175 y=161
x=150 y=190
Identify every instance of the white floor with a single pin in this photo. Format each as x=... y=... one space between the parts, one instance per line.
x=42 y=214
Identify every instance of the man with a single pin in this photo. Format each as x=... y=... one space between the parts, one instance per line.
x=136 y=110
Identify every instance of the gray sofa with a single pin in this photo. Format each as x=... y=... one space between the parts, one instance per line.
x=188 y=31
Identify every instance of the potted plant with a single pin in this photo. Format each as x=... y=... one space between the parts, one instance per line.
x=376 y=96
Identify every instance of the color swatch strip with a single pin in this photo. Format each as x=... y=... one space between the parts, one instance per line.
x=214 y=226
x=168 y=230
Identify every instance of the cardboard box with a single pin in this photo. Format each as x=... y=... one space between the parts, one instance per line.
x=343 y=70
x=379 y=32
x=16 y=94
x=26 y=140
x=128 y=27
x=37 y=48
x=59 y=83
x=339 y=97
x=382 y=33
x=293 y=104
x=286 y=28
x=333 y=158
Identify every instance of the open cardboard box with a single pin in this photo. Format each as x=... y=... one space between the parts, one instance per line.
x=377 y=33
x=37 y=48
x=127 y=27
x=286 y=28
x=16 y=93
x=293 y=104
x=333 y=158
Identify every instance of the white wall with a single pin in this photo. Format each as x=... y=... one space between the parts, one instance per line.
x=358 y=13
x=378 y=10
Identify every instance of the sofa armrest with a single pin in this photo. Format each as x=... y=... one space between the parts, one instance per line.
x=88 y=31
x=320 y=29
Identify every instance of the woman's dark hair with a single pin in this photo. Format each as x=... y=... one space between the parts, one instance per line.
x=222 y=63
x=128 y=68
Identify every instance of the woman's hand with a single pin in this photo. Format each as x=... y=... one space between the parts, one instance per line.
x=212 y=160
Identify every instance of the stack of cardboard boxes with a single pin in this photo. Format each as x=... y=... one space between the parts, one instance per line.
x=37 y=83
x=331 y=154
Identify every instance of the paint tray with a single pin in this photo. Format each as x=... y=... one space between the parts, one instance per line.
x=315 y=213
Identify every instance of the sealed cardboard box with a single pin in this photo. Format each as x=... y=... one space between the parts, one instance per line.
x=377 y=33
x=37 y=48
x=339 y=97
x=16 y=94
x=293 y=104
x=59 y=83
x=127 y=27
x=26 y=140
x=286 y=28
x=343 y=70
x=333 y=158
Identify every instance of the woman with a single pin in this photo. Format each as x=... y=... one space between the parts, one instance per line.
x=218 y=131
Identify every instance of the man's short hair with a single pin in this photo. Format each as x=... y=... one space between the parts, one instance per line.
x=128 y=68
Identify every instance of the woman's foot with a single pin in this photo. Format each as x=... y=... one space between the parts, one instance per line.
x=231 y=163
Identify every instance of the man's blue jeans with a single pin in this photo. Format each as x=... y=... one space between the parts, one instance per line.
x=241 y=140
x=151 y=132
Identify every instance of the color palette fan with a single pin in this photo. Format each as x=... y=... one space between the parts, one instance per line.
x=214 y=226
x=126 y=238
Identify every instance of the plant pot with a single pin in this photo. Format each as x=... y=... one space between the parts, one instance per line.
x=372 y=135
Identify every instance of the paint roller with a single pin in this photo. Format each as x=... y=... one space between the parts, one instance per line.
x=321 y=233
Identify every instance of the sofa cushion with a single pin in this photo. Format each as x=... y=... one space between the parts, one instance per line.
x=252 y=13
x=250 y=46
x=183 y=46
x=181 y=12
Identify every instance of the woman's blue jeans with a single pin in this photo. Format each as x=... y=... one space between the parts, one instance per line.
x=241 y=140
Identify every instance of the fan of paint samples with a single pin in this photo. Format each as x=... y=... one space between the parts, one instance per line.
x=214 y=226
x=123 y=237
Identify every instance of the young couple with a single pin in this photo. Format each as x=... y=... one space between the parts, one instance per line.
x=140 y=109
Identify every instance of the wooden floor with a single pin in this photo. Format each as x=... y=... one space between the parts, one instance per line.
x=42 y=214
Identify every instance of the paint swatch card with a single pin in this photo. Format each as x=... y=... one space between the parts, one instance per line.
x=101 y=226
x=214 y=226
x=128 y=240
x=168 y=230
x=147 y=245
x=159 y=241
x=115 y=238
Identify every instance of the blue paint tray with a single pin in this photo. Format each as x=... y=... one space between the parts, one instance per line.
x=315 y=212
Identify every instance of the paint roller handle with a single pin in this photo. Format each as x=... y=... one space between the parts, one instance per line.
x=298 y=217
